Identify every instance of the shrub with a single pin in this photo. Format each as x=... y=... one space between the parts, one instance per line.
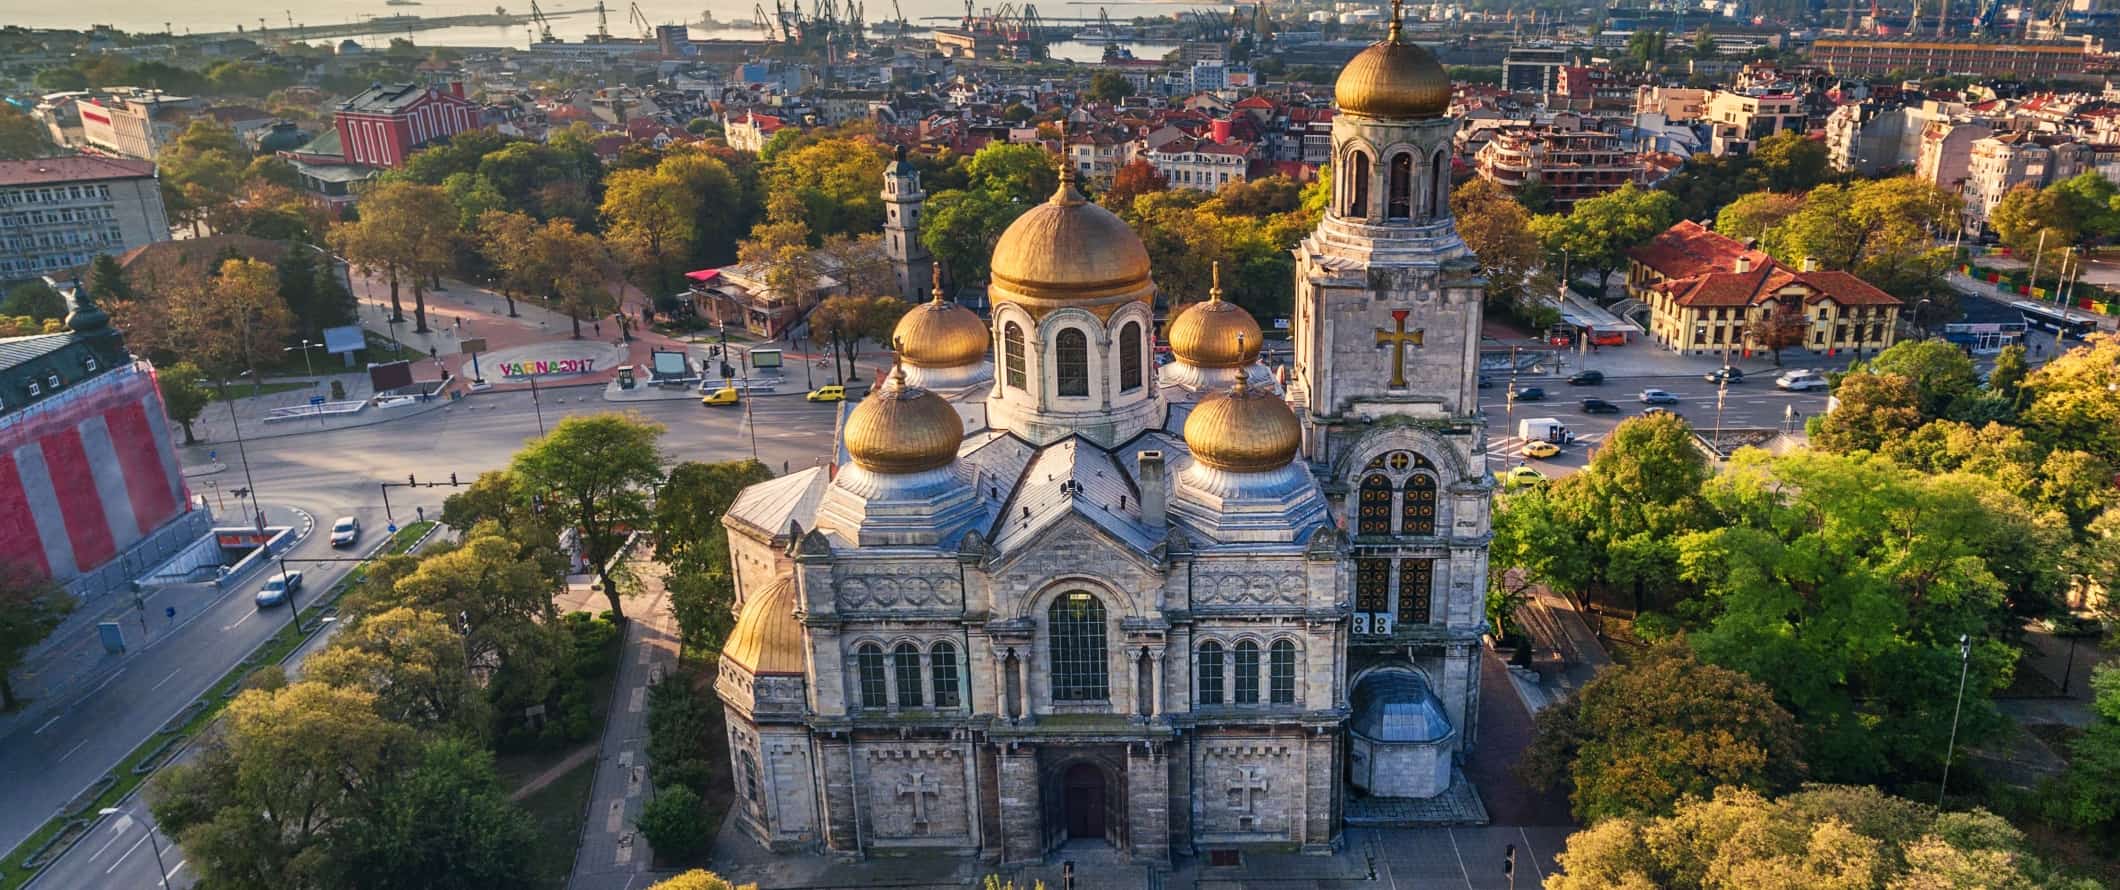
x=674 y=824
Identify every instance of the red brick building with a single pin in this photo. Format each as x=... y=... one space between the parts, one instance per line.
x=385 y=123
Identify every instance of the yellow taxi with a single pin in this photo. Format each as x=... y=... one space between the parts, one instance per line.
x=726 y=395
x=1541 y=449
x=832 y=392
x=1518 y=477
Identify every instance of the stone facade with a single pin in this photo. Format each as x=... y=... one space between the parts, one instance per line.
x=1078 y=631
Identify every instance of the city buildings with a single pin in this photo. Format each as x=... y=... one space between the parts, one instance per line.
x=1709 y=294
x=1573 y=164
x=1996 y=164
x=1533 y=69
x=1200 y=163
x=383 y=124
x=131 y=122
x=1739 y=120
x=1979 y=57
x=57 y=214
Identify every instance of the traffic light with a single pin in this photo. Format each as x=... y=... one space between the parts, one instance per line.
x=452 y=480
x=410 y=481
x=240 y=492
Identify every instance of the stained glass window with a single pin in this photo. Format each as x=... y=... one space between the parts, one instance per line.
x=1281 y=672
x=1081 y=669
x=1417 y=506
x=874 y=692
x=1071 y=361
x=1416 y=577
x=1210 y=666
x=1372 y=585
x=1247 y=664
x=942 y=664
x=1373 y=507
x=905 y=662
x=1130 y=356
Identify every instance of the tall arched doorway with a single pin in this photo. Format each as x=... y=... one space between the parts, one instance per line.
x=1082 y=796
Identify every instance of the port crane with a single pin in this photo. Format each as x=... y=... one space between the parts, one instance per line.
x=544 y=25
x=638 y=18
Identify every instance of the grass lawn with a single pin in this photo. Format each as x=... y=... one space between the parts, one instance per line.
x=557 y=811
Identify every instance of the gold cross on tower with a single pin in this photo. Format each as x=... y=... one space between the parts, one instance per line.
x=1398 y=339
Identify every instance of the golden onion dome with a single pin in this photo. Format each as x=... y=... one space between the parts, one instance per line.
x=1391 y=79
x=903 y=429
x=767 y=638
x=1068 y=251
x=939 y=334
x=1215 y=334
x=1245 y=430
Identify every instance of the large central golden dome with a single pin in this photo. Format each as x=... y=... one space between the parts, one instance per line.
x=938 y=334
x=903 y=429
x=1244 y=430
x=1393 y=80
x=1068 y=251
x=1215 y=334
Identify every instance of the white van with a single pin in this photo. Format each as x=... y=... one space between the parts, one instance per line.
x=1801 y=381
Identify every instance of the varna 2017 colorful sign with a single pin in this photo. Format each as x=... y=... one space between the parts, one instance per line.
x=543 y=367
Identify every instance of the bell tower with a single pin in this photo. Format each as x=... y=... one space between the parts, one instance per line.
x=902 y=199
x=1386 y=383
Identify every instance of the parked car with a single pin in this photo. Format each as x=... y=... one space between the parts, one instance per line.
x=831 y=392
x=345 y=531
x=1530 y=394
x=1599 y=406
x=1541 y=449
x=1586 y=378
x=277 y=588
x=1724 y=374
x=1658 y=397
x=1801 y=381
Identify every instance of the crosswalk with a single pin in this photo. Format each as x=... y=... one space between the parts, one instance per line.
x=1512 y=448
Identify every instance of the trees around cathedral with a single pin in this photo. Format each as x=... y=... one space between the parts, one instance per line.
x=1597 y=233
x=596 y=471
x=691 y=540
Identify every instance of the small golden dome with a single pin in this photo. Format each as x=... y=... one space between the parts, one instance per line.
x=767 y=638
x=1215 y=334
x=903 y=429
x=1391 y=79
x=1067 y=251
x=1244 y=430
x=939 y=334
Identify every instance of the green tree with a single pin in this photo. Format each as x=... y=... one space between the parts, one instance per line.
x=31 y=607
x=401 y=236
x=959 y=229
x=1790 y=161
x=2069 y=402
x=1109 y=86
x=282 y=771
x=1877 y=229
x=1941 y=373
x=1630 y=503
x=1498 y=230
x=1021 y=173
x=1599 y=231
x=2006 y=379
x=1137 y=178
x=232 y=321
x=1752 y=216
x=61 y=79
x=415 y=664
x=689 y=507
x=440 y=822
x=310 y=286
x=839 y=182
x=491 y=592
x=596 y=471
x=1640 y=737
x=847 y=320
x=21 y=136
x=675 y=823
x=184 y=395
x=201 y=170
x=34 y=299
x=106 y=280
x=1874 y=409
x=650 y=217
x=1845 y=583
x=1825 y=836
x=2087 y=796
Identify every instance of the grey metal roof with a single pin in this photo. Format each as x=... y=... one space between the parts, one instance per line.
x=769 y=506
x=1398 y=706
x=1074 y=477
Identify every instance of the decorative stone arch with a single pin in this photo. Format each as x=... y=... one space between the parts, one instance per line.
x=1054 y=793
x=1388 y=666
x=1402 y=183
x=1385 y=439
x=1439 y=185
x=1357 y=165
x=1120 y=694
x=1006 y=314
x=1096 y=355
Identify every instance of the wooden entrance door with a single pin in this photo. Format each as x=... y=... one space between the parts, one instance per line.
x=1085 y=801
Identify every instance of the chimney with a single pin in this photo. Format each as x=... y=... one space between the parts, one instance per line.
x=1810 y=264
x=1220 y=130
x=1742 y=265
x=1155 y=495
x=456 y=88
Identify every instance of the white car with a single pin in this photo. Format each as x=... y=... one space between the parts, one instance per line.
x=345 y=531
x=1801 y=381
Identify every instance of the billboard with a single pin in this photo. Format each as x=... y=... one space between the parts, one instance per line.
x=390 y=375
x=344 y=339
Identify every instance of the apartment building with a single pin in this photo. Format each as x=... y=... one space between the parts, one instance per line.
x=57 y=214
x=1674 y=103
x=130 y=122
x=1740 y=120
x=1201 y=163
x=1999 y=163
x=1573 y=164
x=1946 y=151
x=1533 y=69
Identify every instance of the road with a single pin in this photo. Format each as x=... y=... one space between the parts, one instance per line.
x=327 y=475
x=1754 y=404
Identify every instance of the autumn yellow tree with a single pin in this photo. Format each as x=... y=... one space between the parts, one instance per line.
x=225 y=323
x=404 y=234
x=699 y=879
x=650 y=217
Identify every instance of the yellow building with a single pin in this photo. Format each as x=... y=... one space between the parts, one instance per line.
x=1711 y=295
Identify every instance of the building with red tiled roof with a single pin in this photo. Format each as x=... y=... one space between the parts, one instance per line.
x=60 y=212
x=1709 y=293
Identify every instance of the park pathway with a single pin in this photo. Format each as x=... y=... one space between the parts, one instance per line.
x=612 y=854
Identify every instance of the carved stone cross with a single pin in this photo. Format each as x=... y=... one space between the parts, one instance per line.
x=1249 y=788
x=1398 y=338
x=920 y=788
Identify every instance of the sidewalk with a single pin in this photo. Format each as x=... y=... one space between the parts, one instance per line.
x=611 y=854
x=73 y=659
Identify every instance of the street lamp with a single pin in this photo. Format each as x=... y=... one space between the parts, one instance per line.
x=625 y=335
x=161 y=873
x=305 y=346
x=1965 y=660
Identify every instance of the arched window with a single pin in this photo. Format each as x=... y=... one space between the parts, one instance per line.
x=1401 y=205
x=1130 y=357
x=1210 y=666
x=1281 y=673
x=1373 y=516
x=1071 y=361
x=1417 y=509
x=1439 y=190
x=1247 y=665
x=750 y=778
x=1012 y=354
x=1358 y=187
x=905 y=662
x=875 y=693
x=1081 y=670
x=942 y=665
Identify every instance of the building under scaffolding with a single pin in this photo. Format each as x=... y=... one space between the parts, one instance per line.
x=1004 y=33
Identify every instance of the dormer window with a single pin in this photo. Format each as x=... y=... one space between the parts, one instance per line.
x=52 y=379
x=89 y=363
x=35 y=390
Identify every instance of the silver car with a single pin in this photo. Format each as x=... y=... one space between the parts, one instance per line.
x=345 y=531
x=277 y=588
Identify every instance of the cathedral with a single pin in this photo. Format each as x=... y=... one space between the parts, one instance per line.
x=1054 y=595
